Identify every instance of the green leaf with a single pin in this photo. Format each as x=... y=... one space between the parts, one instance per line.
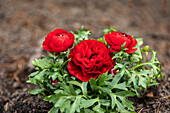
x=47 y=57
x=88 y=111
x=104 y=89
x=139 y=43
x=116 y=79
x=122 y=102
x=28 y=81
x=123 y=45
x=143 y=82
x=32 y=80
x=119 y=66
x=58 y=91
x=100 y=80
x=72 y=89
x=51 y=98
x=65 y=105
x=60 y=101
x=127 y=103
x=76 y=104
x=51 y=54
x=81 y=35
x=33 y=74
x=98 y=109
x=120 y=106
x=82 y=85
x=109 y=77
x=121 y=86
x=109 y=29
x=54 y=75
x=75 y=83
x=88 y=103
x=40 y=75
x=93 y=84
x=124 y=93
x=104 y=102
x=65 y=87
x=133 y=80
x=78 y=91
x=35 y=91
x=113 y=99
x=153 y=83
x=42 y=63
x=54 y=110
x=84 y=89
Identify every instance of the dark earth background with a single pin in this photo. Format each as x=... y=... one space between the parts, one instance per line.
x=25 y=23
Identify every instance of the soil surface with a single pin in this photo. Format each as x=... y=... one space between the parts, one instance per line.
x=25 y=23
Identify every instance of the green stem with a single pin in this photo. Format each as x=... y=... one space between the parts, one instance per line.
x=49 y=91
x=55 y=56
x=140 y=65
x=85 y=96
x=65 y=63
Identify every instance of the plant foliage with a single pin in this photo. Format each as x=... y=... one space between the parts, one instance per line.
x=106 y=94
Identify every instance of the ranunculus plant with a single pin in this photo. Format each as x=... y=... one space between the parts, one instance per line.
x=93 y=76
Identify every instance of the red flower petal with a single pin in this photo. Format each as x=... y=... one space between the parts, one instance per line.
x=133 y=44
x=131 y=51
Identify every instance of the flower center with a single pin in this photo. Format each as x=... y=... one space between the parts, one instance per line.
x=125 y=35
x=62 y=35
x=93 y=56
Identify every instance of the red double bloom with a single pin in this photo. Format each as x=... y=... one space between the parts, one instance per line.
x=59 y=40
x=89 y=59
x=116 y=39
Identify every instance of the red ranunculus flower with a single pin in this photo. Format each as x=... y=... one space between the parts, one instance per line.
x=89 y=59
x=116 y=39
x=59 y=40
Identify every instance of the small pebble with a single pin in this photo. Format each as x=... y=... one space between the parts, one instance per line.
x=25 y=89
x=15 y=85
x=140 y=105
x=154 y=106
x=168 y=78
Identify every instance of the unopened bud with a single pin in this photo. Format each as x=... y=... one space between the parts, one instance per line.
x=55 y=82
x=146 y=48
x=140 y=42
x=117 y=71
x=146 y=53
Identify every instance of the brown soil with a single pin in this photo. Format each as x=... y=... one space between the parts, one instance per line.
x=24 y=24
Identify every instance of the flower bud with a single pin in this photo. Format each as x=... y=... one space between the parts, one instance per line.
x=146 y=48
x=140 y=42
x=146 y=53
x=55 y=82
